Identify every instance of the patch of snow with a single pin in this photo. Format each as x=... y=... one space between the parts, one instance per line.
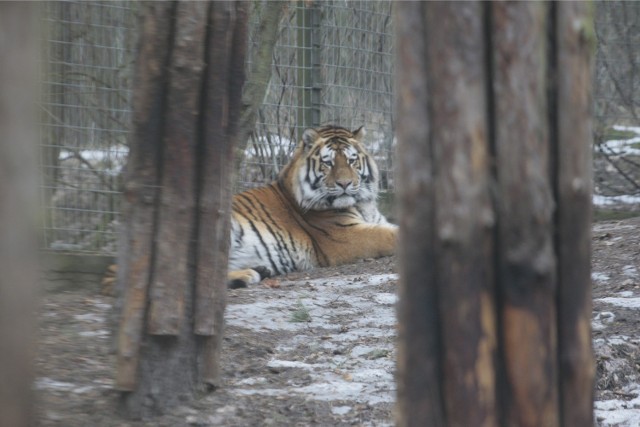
x=635 y=129
x=388 y=299
x=114 y=158
x=622 y=302
x=625 y=199
x=100 y=333
x=252 y=381
x=625 y=294
x=617 y=340
x=341 y=410
x=102 y=305
x=622 y=147
x=45 y=383
x=599 y=277
x=630 y=271
x=372 y=374
x=97 y=155
x=375 y=319
x=600 y=321
x=341 y=378
x=331 y=386
x=619 y=413
x=289 y=364
x=89 y=317
x=84 y=389
x=361 y=350
x=357 y=334
x=273 y=146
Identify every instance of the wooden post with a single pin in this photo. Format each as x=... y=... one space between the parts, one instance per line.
x=576 y=44
x=223 y=92
x=18 y=210
x=187 y=97
x=494 y=150
x=141 y=185
x=525 y=256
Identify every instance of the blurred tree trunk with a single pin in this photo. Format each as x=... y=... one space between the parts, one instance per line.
x=187 y=98
x=18 y=209
x=495 y=158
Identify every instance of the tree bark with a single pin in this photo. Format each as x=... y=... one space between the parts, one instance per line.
x=173 y=261
x=259 y=72
x=493 y=132
x=464 y=214
x=419 y=386
x=18 y=209
x=526 y=262
x=576 y=44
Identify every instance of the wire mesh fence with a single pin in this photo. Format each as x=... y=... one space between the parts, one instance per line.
x=85 y=121
x=332 y=63
x=617 y=103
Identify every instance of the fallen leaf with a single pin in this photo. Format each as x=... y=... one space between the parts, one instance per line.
x=271 y=283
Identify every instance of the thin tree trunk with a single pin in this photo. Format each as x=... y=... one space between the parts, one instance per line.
x=18 y=209
x=259 y=72
x=494 y=149
x=576 y=45
x=419 y=389
x=189 y=77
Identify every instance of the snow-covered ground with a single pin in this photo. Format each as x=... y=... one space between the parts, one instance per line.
x=354 y=359
x=363 y=322
x=616 y=290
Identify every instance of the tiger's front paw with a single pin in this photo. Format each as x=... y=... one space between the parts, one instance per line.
x=250 y=276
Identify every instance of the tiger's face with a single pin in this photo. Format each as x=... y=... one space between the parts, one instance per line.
x=331 y=170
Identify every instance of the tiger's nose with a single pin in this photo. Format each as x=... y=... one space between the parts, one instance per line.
x=344 y=183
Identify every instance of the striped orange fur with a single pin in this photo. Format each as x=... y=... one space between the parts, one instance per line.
x=321 y=211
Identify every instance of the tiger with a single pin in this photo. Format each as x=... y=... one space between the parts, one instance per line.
x=320 y=211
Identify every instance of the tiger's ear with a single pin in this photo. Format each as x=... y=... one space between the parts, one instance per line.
x=309 y=137
x=359 y=134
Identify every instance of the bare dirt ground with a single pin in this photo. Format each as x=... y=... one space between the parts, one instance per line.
x=318 y=349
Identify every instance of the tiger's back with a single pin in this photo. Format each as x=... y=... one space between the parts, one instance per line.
x=321 y=211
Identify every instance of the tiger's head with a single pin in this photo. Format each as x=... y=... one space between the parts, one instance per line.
x=330 y=169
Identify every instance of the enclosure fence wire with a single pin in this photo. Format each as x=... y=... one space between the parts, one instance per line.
x=333 y=63
x=346 y=80
x=617 y=101
x=86 y=116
